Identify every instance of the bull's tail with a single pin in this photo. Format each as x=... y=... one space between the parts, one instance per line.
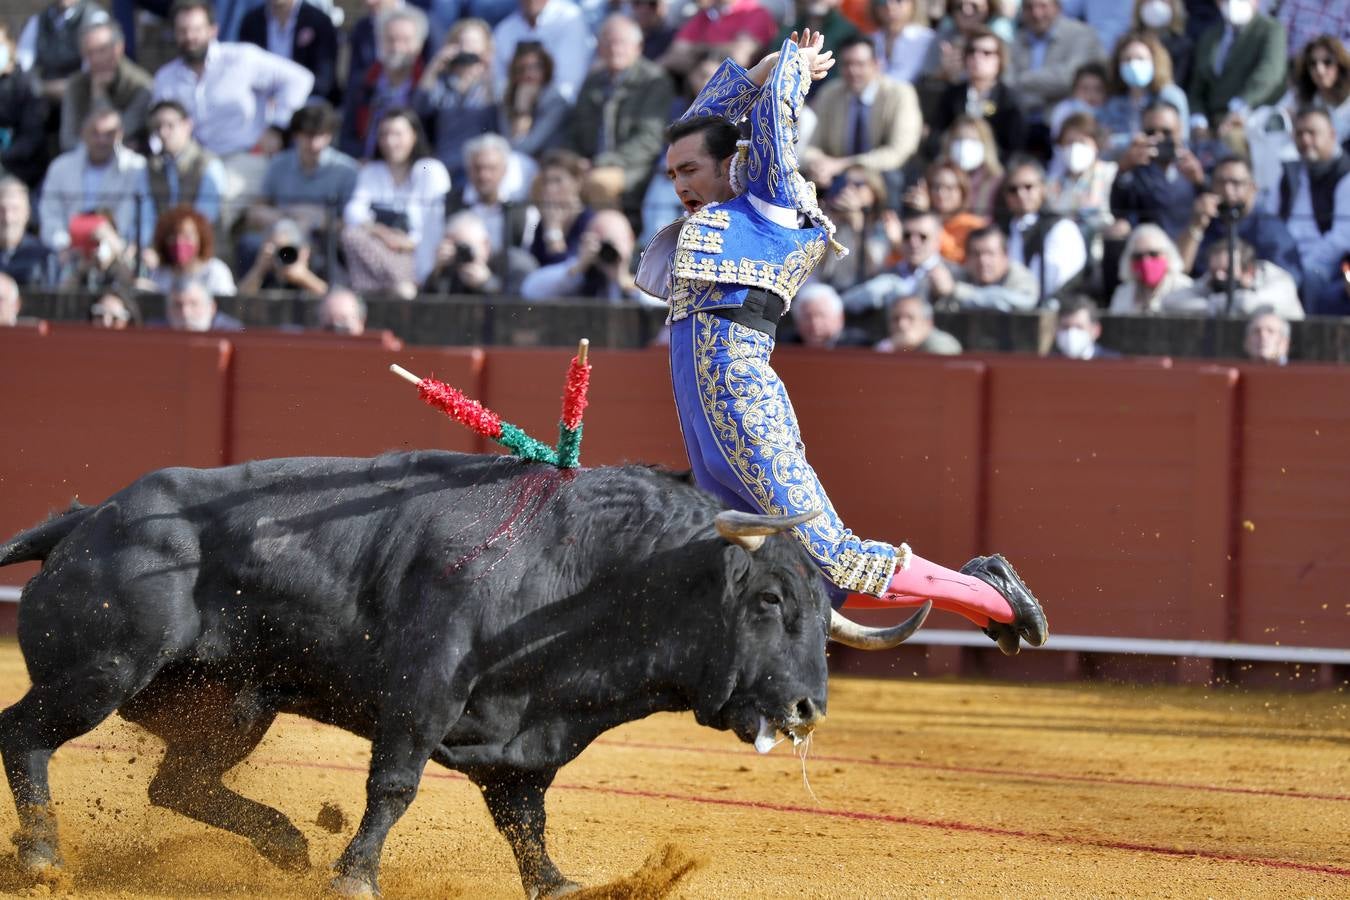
x=36 y=543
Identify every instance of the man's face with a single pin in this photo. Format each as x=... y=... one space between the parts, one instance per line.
x=100 y=51
x=1162 y=125
x=9 y=302
x=190 y=309
x=1266 y=341
x=100 y=138
x=910 y=326
x=987 y=260
x=889 y=13
x=1081 y=318
x=858 y=67
x=401 y=44
x=14 y=211
x=1219 y=270
x=1315 y=138
x=649 y=14
x=1039 y=15
x=193 y=34
x=1234 y=185
x=617 y=47
x=341 y=314
x=1024 y=191
x=486 y=171
x=920 y=239
x=820 y=323
x=173 y=129
x=698 y=178
x=309 y=147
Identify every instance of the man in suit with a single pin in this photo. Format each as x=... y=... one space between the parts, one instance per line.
x=301 y=33
x=1078 y=329
x=865 y=118
x=1046 y=52
x=1240 y=63
x=620 y=117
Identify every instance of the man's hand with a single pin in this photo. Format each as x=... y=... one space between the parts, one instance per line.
x=916 y=198
x=1205 y=209
x=940 y=277
x=824 y=168
x=1140 y=153
x=1188 y=164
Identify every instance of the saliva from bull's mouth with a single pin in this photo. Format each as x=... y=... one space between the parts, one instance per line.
x=768 y=738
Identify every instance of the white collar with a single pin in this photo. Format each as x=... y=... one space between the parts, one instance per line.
x=779 y=215
x=869 y=93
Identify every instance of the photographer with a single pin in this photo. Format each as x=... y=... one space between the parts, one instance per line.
x=455 y=97
x=600 y=268
x=283 y=263
x=1158 y=176
x=465 y=263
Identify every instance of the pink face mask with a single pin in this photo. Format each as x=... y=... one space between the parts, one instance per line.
x=1150 y=269
x=184 y=251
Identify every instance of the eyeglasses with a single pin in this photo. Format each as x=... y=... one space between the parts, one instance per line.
x=102 y=311
x=1158 y=132
x=918 y=236
x=1146 y=254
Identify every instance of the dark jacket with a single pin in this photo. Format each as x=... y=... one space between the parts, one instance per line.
x=29 y=263
x=1254 y=70
x=1146 y=194
x=23 y=118
x=314 y=46
x=1268 y=236
x=1001 y=112
x=633 y=111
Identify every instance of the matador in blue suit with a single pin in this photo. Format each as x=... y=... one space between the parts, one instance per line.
x=729 y=270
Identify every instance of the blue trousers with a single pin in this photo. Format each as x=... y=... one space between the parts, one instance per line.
x=745 y=447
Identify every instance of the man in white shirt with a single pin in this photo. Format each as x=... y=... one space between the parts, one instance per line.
x=1050 y=246
x=98 y=174
x=557 y=24
x=921 y=273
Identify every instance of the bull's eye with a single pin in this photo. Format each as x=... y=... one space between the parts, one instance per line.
x=768 y=598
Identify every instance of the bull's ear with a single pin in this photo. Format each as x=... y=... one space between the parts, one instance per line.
x=736 y=564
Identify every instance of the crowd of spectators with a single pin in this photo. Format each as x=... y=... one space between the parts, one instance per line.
x=1130 y=156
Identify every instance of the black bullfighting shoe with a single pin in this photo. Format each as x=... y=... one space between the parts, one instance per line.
x=1028 y=618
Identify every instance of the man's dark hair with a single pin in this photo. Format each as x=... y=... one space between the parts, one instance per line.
x=855 y=40
x=719 y=135
x=318 y=117
x=1074 y=302
x=181 y=6
x=1305 y=112
x=979 y=234
x=167 y=104
x=1245 y=253
x=1157 y=104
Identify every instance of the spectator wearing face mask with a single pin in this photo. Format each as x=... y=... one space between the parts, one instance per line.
x=1267 y=339
x=1166 y=21
x=1240 y=63
x=184 y=246
x=1255 y=284
x=1150 y=269
x=1141 y=75
x=970 y=144
x=1078 y=328
x=1078 y=182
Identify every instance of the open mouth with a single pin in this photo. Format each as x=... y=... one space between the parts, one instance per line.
x=770 y=734
x=692 y=206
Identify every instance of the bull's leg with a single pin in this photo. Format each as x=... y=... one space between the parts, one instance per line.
x=208 y=731
x=516 y=800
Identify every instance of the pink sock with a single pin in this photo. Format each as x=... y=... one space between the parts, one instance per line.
x=923 y=580
x=890 y=601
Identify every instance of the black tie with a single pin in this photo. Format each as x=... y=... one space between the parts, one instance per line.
x=859 y=127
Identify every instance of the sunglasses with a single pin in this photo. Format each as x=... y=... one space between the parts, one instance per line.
x=1157 y=132
x=116 y=313
x=918 y=236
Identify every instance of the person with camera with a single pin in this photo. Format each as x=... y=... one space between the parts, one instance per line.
x=282 y=263
x=1238 y=285
x=600 y=269
x=1158 y=176
x=1229 y=202
x=456 y=98
x=464 y=259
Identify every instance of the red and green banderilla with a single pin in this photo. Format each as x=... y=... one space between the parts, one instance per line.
x=566 y=454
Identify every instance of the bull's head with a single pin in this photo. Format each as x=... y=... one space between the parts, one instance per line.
x=783 y=622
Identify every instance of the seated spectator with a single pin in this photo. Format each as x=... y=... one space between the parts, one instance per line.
x=1335 y=298
x=1321 y=78
x=466 y=262
x=990 y=279
x=115 y=309
x=906 y=49
x=1267 y=339
x=389 y=83
x=1087 y=95
x=620 y=116
x=49 y=45
x=98 y=256
x=865 y=118
x=300 y=32
x=556 y=24
x=106 y=76
x=532 y=115
x=396 y=216
x=1303 y=20
x=855 y=203
x=1314 y=201
x=283 y=263
x=456 y=98
x=601 y=268
x=970 y=144
x=818 y=320
x=1078 y=328
x=983 y=94
x=181 y=173
x=493 y=193
x=910 y=319
x=1256 y=284
x=23 y=116
x=1150 y=270
x=99 y=173
x=945 y=190
x=820 y=17
x=954 y=30
x=657 y=32
x=921 y=270
x=1109 y=19
x=1048 y=244
x=1158 y=176
x=1078 y=182
x=724 y=28
x=192 y=307
x=1240 y=63
x=1166 y=21
x=1231 y=199
x=363 y=46
x=184 y=250
x=22 y=256
x=232 y=92
x=311 y=181
x=1141 y=75
x=1046 y=52
x=10 y=302
x=341 y=311
x=561 y=215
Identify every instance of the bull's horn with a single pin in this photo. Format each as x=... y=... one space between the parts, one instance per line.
x=749 y=529
x=863 y=637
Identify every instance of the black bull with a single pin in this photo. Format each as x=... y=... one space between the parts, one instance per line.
x=488 y=614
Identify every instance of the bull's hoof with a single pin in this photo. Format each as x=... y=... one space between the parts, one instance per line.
x=561 y=889
x=352 y=886
x=286 y=850
x=41 y=865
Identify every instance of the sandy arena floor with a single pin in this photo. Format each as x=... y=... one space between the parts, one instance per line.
x=922 y=789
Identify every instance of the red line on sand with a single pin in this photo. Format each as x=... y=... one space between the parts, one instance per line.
x=1003 y=773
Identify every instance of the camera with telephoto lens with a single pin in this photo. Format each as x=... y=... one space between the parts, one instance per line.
x=288 y=255
x=463 y=254
x=1230 y=212
x=608 y=253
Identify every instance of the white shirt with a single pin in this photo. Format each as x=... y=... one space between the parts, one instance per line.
x=562 y=29
x=1063 y=246
x=242 y=90
x=907 y=55
x=63 y=193
x=421 y=198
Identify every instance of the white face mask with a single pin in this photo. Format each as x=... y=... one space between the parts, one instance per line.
x=1079 y=156
x=1075 y=343
x=1239 y=12
x=104 y=254
x=968 y=153
x=1156 y=14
